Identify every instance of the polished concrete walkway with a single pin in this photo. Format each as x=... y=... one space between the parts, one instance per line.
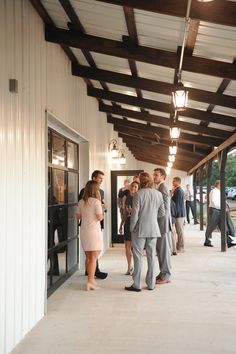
x=195 y=313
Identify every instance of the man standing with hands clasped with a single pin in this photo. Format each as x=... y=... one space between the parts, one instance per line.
x=163 y=242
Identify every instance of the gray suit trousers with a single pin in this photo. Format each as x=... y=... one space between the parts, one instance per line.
x=214 y=220
x=164 y=255
x=138 y=244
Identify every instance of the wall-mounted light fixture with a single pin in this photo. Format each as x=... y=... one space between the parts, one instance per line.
x=112 y=147
x=122 y=158
x=180 y=94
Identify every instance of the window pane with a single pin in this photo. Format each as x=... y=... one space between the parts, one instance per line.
x=72 y=254
x=72 y=159
x=49 y=146
x=72 y=222
x=58 y=264
x=72 y=187
x=58 y=150
x=58 y=180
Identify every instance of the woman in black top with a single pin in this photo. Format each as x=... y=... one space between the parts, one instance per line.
x=127 y=208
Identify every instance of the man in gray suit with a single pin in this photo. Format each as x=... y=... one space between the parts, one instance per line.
x=164 y=242
x=147 y=206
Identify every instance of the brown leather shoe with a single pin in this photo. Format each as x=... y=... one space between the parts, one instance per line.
x=162 y=281
x=181 y=250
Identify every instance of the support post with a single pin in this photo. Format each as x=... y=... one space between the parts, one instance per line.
x=194 y=196
x=208 y=181
x=222 y=162
x=200 y=174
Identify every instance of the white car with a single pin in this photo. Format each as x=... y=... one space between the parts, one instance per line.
x=204 y=195
x=232 y=193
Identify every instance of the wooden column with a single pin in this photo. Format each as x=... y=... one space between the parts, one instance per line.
x=208 y=181
x=222 y=157
x=200 y=174
x=194 y=196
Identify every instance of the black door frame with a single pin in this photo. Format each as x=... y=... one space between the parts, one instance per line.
x=115 y=238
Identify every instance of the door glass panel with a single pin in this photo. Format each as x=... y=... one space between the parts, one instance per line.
x=72 y=254
x=58 y=150
x=72 y=187
x=58 y=182
x=72 y=222
x=72 y=156
x=49 y=147
x=58 y=263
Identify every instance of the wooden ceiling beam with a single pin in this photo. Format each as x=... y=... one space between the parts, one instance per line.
x=136 y=52
x=151 y=85
x=151 y=118
x=165 y=133
x=218 y=11
x=161 y=106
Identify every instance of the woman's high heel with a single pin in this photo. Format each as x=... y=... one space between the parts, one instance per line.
x=91 y=286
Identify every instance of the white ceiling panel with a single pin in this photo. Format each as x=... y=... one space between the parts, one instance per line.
x=155 y=72
x=156 y=96
x=159 y=31
x=226 y=111
x=221 y=126
x=111 y=63
x=80 y=56
x=122 y=89
x=133 y=108
x=198 y=105
x=100 y=19
x=158 y=113
x=188 y=120
x=231 y=89
x=200 y=81
x=96 y=84
x=56 y=12
x=216 y=42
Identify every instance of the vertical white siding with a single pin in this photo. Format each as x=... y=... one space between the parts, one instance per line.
x=44 y=82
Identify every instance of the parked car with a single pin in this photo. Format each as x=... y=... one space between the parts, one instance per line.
x=232 y=193
x=227 y=191
x=204 y=194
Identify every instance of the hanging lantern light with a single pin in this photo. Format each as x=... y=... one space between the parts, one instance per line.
x=180 y=97
x=169 y=164
x=172 y=158
x=174 y=132
x=173 y=149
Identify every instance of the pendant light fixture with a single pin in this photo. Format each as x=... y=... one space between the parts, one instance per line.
x=180 y=94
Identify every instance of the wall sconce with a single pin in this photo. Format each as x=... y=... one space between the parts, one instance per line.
x=112 y=147
x=122 y=158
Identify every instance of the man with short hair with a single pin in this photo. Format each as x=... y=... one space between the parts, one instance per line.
x=164 y=242
x=178 y=198
x=97 y=176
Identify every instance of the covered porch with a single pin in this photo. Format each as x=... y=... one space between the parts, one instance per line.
x=195 y=313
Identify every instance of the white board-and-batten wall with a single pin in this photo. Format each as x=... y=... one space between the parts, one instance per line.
x=45 y=82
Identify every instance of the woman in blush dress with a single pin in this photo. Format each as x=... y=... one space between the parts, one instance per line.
x=90 y=212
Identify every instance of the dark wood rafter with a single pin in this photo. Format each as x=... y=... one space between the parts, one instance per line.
x=151 y=118
x=139 y=53
x=164 y=133
x=149 y=146
x=220 y=11
x=231 y=141
x=76 y=24
x=161 y=106
x=152 y=85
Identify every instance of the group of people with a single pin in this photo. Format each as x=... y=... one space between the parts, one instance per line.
x=147 y=222
x=152 y=219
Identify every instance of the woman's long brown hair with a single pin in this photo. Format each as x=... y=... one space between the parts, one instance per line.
x=91 y=190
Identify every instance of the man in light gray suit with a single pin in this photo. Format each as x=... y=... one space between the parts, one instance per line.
x=147 y=206
x=165 y=223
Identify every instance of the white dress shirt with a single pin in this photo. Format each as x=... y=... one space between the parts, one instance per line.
x=214 y=198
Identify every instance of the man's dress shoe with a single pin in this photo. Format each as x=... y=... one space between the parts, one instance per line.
x=162 y=281
x=231 y=244
x=101 y=275
x=208 y=244
x=132 y=288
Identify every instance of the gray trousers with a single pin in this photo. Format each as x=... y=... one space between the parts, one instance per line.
x=214 y=220
x=138 y=245
x=179 y=226
x=164 y=255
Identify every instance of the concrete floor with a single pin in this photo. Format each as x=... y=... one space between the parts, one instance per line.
x=195 y=313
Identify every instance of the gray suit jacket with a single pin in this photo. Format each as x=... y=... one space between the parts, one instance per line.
x=165 y=222
x=147 y=207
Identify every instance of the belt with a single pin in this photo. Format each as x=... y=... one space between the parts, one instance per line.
x=215 y=208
